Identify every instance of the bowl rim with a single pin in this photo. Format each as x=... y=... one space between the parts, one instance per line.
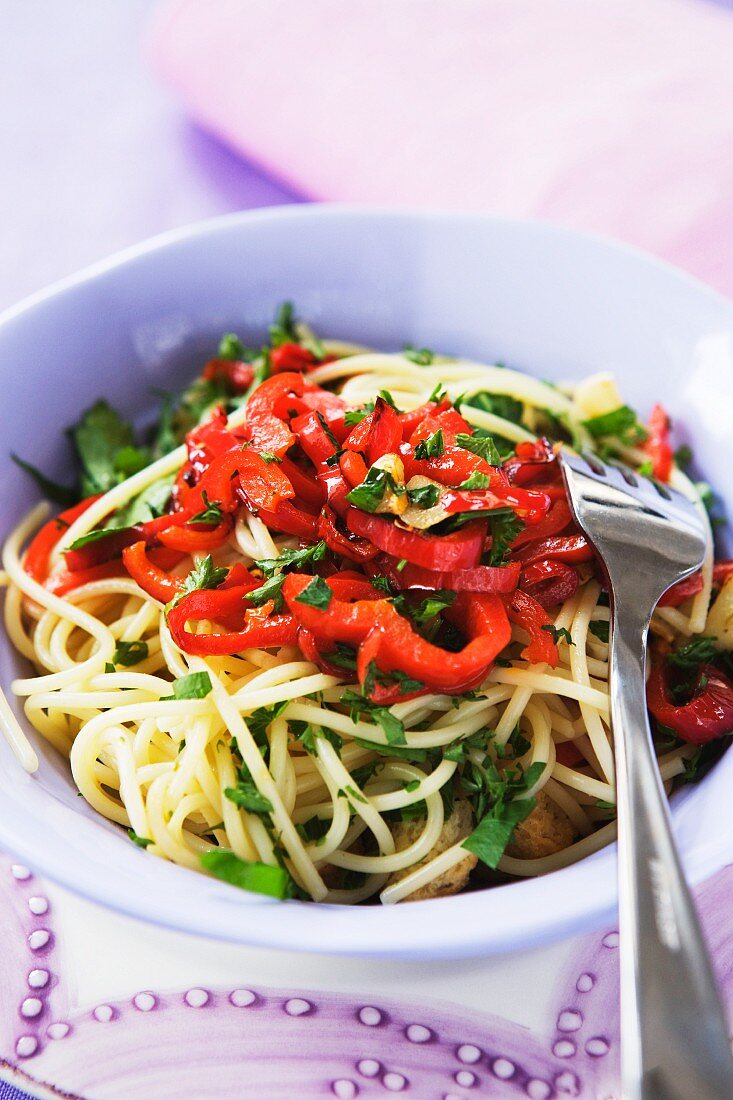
x=519 y=914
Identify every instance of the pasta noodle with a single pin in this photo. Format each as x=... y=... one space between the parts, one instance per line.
x=324 y=782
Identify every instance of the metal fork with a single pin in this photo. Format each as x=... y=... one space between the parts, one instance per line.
x=674 y=1037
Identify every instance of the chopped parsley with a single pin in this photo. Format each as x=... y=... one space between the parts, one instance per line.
x=316 y=594
x=289 y=559
x=359 y=705
x=232 y=348
x=141 y=841
x=370 y=494
x=352 y=417
x=558 y=633
x=481 y=445
x=600 y=628
x=269 y=457
x=508 y=408
x=432 y=447
x=258 y=878
x=502 y=792
x=683 y=456
x=621 y=422
x=247 y=796
x=423 y=357
x=414 y=756
x=476 y=480
x=310 y=734
x=128 y=654
x=270 y=590
x=203 y=575
x=689 y=657
x=505 y=527
x=211 y=513
x=426 y=496
x=197 y=685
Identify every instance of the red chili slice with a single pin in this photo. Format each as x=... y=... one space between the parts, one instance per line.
x=707 y=716
x=459 y=550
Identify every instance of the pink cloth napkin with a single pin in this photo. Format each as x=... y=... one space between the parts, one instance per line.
x=613 y=115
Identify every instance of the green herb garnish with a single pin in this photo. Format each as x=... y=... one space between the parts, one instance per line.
x=257 y=878
x=316 y=594
x=432 y=447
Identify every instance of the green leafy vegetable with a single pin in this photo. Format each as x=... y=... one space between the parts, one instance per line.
x=211 y=513
x=621 y=422
x=203 y=575
x=683 y=456
x=257 y=878
x=505 y=527
x=352 y=417
x=311 y=733
x=93 y=536
x=232 y=348
x=52 y=490
x=481 y=445
x=393 y=728
x=423 y=357
x=370 y=494
x=248 y=797
x=196 y=685
x=600 y=629
x=414 y=756
x=130 y=653
x=426 y=496
x=289 y=559
x=270 y=590
x=689 y=657
x=316 y=594
x=432 y=447
x=269 y=457
x=475 y=481
x=151 y=502
x=141 y=841
x=508 y=408
x=496 y=827
x=99 y=437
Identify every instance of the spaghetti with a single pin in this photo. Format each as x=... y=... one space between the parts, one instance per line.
x=340 y=639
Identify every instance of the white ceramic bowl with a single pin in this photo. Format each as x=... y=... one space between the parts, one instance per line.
x=553 y=302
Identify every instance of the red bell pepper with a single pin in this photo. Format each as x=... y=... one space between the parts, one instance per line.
x=411 y=419
x=348 y=546
x=707 y=716
x=291 y=521
x=378 y=434
x=307 y=487
x=567 y=548
x=291 y=357
x=549 y=582
x=235 y=373
x=353 y=467
x=722 y=571
x=682 y=591
x=37 y=556
x=199 y=538
x=386 y=637
x=253 y=628
x=489 y=579
x=657 y=445
x=67 y=580
x=152 y=579
x=316 y=441
x=448 y=421
x=460 y=549
x=531 y=461
x=267 y=413
x=526 y=612
x=556 y=520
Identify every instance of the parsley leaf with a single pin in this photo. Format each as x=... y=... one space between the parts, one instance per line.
x=683 y=456
x=496 y=827
x=150 y=503
x=196 y=685
x=426 y=496
x=52 y=490
x=311 y=733
x=370 y=494
x=204 y=575
x=211 y=513
x=508 y=408
x=505 y=527
x=141 y=841
x=232 y=348
x=476 y=480
x=258 y=878
x=600 y=629
x=689 y=657
x=432 y=447
x=415 y=756
x=481 y=445
x=130 y=653
x=393 y=728
x=423 y=357
x=283 y=330
x=621 y=422
x=99 y=437
x=292 y=558
x=352 y=417
x=247 y=796
x=270 y=590
x=316 y=594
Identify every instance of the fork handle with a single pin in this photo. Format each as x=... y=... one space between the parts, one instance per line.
x=674 y=1037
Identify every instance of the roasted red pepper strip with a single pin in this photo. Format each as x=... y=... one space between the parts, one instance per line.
x=531 y=461
x=410 y=420
x=383 y=635
x=237 y=374
x=657 y=445
x=153 y=580
x=567 y=548
x=448 y=421
x=378 y=434
x=722 y=571
x=198 y=538
x=36 y=559
x=554 y=523
x=291 y=357
x=314 y=437
x=469 y=500
x=266 y=428
x=67 y=580
x=532 y=617
x=442 y=553
x=707 y=716
x=351 y=547
x=549 y=582
x=260 y=630
x=291 y=521
x=489 y=579
x=682 y=591
x=307 y=488
x=353 y=467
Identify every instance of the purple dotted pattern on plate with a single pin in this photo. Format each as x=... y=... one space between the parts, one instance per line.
x=281 y=1044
